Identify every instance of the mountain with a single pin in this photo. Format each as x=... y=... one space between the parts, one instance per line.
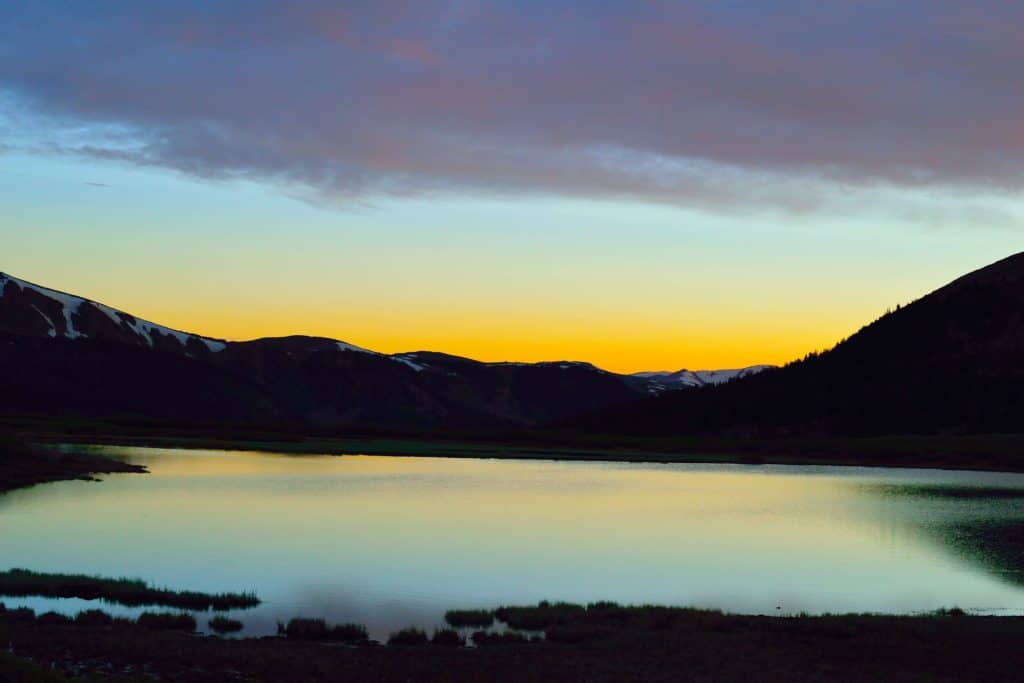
x=69 y=356
x=950 y=362
x=664 y=380
x=34 y=311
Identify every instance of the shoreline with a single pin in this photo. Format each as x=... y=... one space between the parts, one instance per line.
x=24 y=466
x=888 y=452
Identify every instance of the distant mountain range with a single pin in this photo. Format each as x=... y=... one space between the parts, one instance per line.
x=65 y=355
x=662 y=380
x=951 y=362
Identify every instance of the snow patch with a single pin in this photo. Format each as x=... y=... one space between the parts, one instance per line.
x=407 y=360
x=684 y=379
x=69 y=304
x=143 y=328
x=53 y=328
x=404 y=359
x=345 y=346
x=214 y=345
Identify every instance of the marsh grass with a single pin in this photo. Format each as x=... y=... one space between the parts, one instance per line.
x=447 y=637
x=124 y=591
x=167 y=621
x=408 y=636
x=540 y=616
x=564 y=622
x=488 y=638
x=93 y=617
x=319 y=630
x=19 y=614
x=54 y=619
x=576 y=632
x=479 y=618
x=222 y=624
x=607 y=642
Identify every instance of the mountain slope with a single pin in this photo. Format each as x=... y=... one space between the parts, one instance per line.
x=33 y=310
x=952 y=361
x=687 y=379
x=65 y=355
x=67 y=378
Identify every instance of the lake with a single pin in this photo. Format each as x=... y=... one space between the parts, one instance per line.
x=396 y=541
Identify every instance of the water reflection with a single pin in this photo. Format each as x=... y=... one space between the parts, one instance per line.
x=396 y=541
x=998 y=547
x=983 y=525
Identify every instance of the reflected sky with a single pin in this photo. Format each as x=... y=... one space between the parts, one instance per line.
x=391 y=541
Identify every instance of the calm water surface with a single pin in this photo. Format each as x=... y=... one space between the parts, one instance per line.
x=390 y=541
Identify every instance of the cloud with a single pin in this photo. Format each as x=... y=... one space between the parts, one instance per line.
x=725 y=104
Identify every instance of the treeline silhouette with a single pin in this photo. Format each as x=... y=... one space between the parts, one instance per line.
x=949 y=363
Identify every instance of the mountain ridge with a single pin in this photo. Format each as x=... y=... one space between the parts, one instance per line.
x=698 y=378
x=950 y=362
x=67 y=353
x=74 y=302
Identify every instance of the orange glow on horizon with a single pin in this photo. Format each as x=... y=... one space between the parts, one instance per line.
x=635 y=345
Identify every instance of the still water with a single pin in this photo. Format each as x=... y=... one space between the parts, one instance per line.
x=392 y=541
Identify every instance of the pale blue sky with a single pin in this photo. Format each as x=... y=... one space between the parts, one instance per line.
x=552 y=277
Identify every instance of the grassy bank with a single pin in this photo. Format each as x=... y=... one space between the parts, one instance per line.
x=130 y=592
x=601 y=642
x=997 y=452
x=22 y=464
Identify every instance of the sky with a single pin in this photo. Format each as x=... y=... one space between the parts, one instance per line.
x=641 y=185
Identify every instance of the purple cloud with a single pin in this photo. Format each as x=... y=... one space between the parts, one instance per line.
x=698 y=103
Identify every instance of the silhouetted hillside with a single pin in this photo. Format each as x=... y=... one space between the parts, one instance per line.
x=62 y=355
x=951 y=362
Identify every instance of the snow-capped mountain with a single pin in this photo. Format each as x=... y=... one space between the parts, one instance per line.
x=32 y=309
x=68 y=355
x=664 y=380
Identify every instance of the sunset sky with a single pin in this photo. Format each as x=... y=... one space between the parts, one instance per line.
x=642 y=185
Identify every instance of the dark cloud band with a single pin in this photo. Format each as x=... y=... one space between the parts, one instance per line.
x=731 y=102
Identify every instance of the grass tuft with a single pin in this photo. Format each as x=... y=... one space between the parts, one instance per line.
x=93 y=617
x=318 y=630
x=167 y=621
x=447 y=637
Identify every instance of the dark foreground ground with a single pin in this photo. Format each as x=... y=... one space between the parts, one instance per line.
x=697 y=647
